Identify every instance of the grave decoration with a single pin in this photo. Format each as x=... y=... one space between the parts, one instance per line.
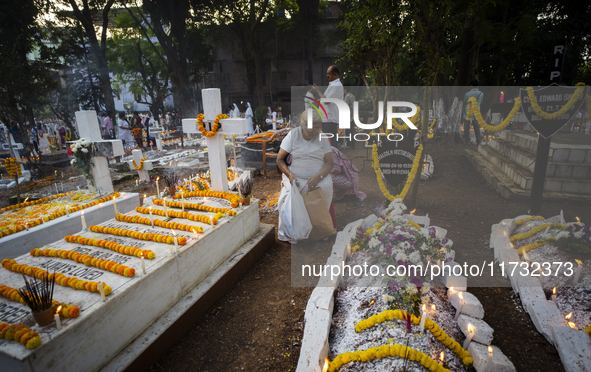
x=554 y=257
x=21 y=334
x=116 y=247
x=400 y=321
x=86 y=259
x=39 y=298
x=67 y=311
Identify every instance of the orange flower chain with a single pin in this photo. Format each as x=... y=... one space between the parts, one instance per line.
x=67 y=311
x=86 y=259
x=17 y=228
x=21 y=334
x=214 y=127
x=141 y=166
x=61 y=279
x=158 y=238
x=12 y=168
x=185 y=215
x=196 y=206
x=232 y=198
x=52 y=143
x=122 y=249
x=159 y=223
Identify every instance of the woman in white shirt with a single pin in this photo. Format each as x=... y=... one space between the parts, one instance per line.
x=125 y=131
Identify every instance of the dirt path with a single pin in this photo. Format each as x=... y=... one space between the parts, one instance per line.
x=257 y=325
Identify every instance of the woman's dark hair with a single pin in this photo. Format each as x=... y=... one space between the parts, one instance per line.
x=121 y=115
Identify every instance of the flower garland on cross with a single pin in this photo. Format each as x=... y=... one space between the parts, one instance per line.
x=214 y=128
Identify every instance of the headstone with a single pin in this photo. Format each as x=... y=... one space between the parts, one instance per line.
x=574 y=348
x=483 y=333
x=88 y=128
x=500 y=363
x=143 y=173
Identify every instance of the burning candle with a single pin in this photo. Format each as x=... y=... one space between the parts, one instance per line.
x=136 y=183
x=183 y=199
x=55 y=174
x=578 y=221
x=442 y=357
x=211 y=221
x=460 y=305
x=157 y=187
x=143 y=264
x=68 y=211
x=151 y=219
x=83 y=220
x=554 y=295
x=240 y=205
x=488 y=366
x=102 y=291
x=526 y=257
x=115 y=206
x=164 y=204
x=469 y=337
x=578 y=271
x=145 y=199
x=56 y=316
x=570 y=324
x=423 y=318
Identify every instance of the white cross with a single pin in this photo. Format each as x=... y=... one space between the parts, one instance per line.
x=88 y=128
x=212 y=107
x=143 y=173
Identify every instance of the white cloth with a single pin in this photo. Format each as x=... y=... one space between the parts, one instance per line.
x=125 y=134
x=307 y=159
x=248 y=115
x=236 y=112
x=334 y=90
x=149 y=124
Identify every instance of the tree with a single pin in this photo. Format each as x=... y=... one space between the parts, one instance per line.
x=308 y=10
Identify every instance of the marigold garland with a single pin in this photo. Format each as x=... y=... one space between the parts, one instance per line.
x=588 y=330
x=536 y=230
x=60 y=279
x=537 y=244
x=232 y=198
x=12 y=167
x=116 y=247
x=20 y=334
x=158 y=238
x=409 y=180
x=413 y=120
x=52 y=143
x=473 y=109
x=196 y=206
x=67 y=311
x=429 y=324
x=538 y=110
x=86 y=259
x=159 y=223
x=39 y=221
x=527 y=219
x=214 y=127
x=186 y=215
x=68 y=136
x=141 y=166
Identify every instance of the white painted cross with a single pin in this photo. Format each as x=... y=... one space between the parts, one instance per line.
x=212 y=107
x=88 y=128
x=137 y=157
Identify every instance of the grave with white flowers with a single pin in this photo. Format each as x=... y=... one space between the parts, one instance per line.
x=130 y=285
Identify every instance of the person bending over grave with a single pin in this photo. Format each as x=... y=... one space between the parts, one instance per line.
x=306 y=159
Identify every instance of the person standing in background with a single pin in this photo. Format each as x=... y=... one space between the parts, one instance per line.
x=136 y=127
x=125 y=131
x=334 y=90
x=471 y=120
x=108 y=126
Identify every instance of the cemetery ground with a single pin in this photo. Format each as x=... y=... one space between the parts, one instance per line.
x=258 y=324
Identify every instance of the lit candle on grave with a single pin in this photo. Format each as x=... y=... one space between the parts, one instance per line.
x=143 y=264
x=554 y=295
x=570 y=324
x=460 y=305
x=145 y=199
x=56 y=190
x=27 y=226
x=194 y=233
x=433 y=308
x=102 y=291
x=55 y=175
x=183 y=199
x=136 y=183
x=578 y=271
x=413 y=212
x=578 y=221
x=56 y=316
x=240 y=205
x=211 y=221
x=488 y=366
x=525 y=256
x=164 y=204
x=442 y=357
x=423 y=318
x=176 y=241
x=151 y=218
x=157 y=187
x=62 y=185
x=469 y=336
x=325 y=365
x=115 y=206
x=83 y=220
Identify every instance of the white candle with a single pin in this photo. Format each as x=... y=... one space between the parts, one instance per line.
x=183 y=198
x=151 y=218
x=115 y=206
x=145 y=199
x=56 y=190
x=578 y=272
x=469 y=337
x=83 y=220
x=58 y=323
x=164 y=204
x=427 y=220
x=62 y=185
x=136 y=183
x=488 y=366
x=151 y=148
x=240 y=205
x=194 y=233
x=157 y=187
x=68 y=211
x=554 y=295
x=143 y=265
x=102 y=291
x=27 y=226
x=460 y=305
x=211 y=221
x=423 y=318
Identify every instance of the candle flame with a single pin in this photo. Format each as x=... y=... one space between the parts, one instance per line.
x=490 y=349
x=413 y=211
x=27 y=198
x=371 y=303
x=579 y=262
x=525 y=256
x=569 y=316
x=325 y=366
x=470 y=328
x=461 y=296
x=451 y=289
x=433 y=307
x=58 y=309
x=157 y=178
x=578 y=219
x=442 y=356
x=173 y=233
x=572 y=325
x=424 y=307
x=512 y=246
x=554 y=290
x=82 y=213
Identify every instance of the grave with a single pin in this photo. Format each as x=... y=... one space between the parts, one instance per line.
x=145 y=166
x=143 y=315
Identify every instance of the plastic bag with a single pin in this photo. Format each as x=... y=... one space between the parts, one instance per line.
x=294 y=222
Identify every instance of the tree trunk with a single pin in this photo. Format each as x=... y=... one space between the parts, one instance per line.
x=467 y=51
x=258 y=69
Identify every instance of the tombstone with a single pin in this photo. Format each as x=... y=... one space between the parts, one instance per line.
x=157 y=130
x=89 y=129
x=143 y=173
x=274 y=121
x=212 y=107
